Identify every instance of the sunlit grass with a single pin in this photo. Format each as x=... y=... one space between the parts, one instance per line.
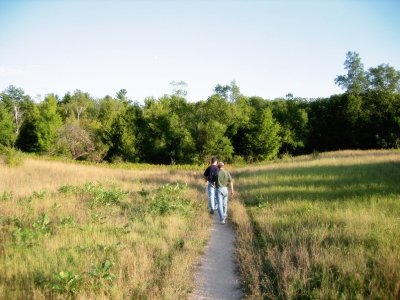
x=93 y=232
x=324 y=226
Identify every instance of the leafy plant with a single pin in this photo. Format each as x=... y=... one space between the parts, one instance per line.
x=5 y=196
x=66 y=282
x=101 y=274
x=68 y=222
x=67 y=189
x=167 y=199
x=102 y=271
x=42 y=224
x=40 y=194
x=24 y=236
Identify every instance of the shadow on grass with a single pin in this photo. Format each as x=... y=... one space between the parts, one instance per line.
x=322 y=183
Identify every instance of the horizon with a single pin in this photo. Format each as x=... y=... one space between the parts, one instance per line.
x=269 y=48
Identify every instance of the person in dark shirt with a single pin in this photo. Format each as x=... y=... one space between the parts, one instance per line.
x=209 y=175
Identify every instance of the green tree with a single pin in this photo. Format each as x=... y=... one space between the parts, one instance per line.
x=263 y=136
x=121 y=137
x=258 y=139
x=48 y=124
x=384 y=79
x=27 y=139
x=165 y=137
x=292 y=116
x=355 y=82
x=7 y=134
x=16 y=102
x=76 y=106
x=211 y=140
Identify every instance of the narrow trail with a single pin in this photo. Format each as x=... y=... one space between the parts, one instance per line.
x=216 y=276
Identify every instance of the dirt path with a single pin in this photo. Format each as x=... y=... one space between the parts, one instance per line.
x=216 y=277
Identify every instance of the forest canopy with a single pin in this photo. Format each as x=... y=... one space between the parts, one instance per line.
x=228 y=124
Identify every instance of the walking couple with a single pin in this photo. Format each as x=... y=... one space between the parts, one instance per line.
x=217 y=179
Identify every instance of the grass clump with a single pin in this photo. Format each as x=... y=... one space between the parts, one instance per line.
x=168 y=198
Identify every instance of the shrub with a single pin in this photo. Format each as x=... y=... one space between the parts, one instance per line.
x=12 y=157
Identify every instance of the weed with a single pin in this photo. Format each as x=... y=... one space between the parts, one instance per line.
x=66 y=282
x=40 y=194
x=98 y=218
x=42 y=224
x=102 y=271
x=25 y=236
x=68 y=222
x=67 y=189
x=5 y=196
x=167 y=199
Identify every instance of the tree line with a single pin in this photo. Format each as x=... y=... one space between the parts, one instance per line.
x=228 y=124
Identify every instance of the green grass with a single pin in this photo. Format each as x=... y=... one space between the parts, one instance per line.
x=325 y=230
x=99 y=241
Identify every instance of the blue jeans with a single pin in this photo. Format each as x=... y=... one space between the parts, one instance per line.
x=212 y=196
x=222 y=199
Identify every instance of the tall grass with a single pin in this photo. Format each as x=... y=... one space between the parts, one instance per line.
x=90 y=232
x=323 y=227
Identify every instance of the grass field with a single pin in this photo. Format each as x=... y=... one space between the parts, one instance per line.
x=90 y=232
x=325 y=226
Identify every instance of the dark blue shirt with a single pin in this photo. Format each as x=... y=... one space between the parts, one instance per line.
x=211 y=172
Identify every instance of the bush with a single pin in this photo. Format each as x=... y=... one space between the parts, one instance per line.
x=11 y=156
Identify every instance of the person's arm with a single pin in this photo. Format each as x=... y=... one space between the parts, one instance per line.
x=205 y=175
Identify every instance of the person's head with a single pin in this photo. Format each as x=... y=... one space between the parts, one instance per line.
x=214 y=160
x=220 y=165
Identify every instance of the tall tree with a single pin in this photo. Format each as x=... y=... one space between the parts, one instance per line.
x=16 y=101
x=293 y=118
x=355 y=81
x=179 y=88
x=76 y=105
x=384 y=79
x=48 y=124
x=7 y=134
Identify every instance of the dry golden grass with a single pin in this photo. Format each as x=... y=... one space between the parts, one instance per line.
x=151 y=254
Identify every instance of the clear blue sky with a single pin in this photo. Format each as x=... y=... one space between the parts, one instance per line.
x=270 y=48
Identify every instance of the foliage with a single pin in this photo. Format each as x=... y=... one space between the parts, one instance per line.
x=75 y=140
x=171 y=130
x=11 y=156
x=167 y=199
x=96 y=194
x=48 y=124
x=66 y=282
x=7 y=136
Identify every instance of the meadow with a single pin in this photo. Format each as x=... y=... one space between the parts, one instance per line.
x=69 y=230
x=323 y=226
